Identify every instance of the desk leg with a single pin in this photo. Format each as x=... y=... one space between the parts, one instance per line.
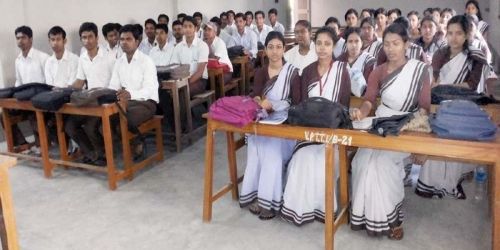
x=9 y=234
x=189 y=113
x=108 y=148
x=344 y=193
x=177 y=118
x=329 y=177
x=44 y=144
x=127 y=151
x=209 y=173
x=61 y=137
x=496 y=207
x=7 y=126
x=233 y=170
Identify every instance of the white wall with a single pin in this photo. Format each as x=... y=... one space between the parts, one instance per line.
x=322 y=9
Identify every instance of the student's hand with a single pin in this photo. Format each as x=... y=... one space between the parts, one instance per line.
x=267 y=105
x=419 y=159
x=123 y=94
x=356 y=114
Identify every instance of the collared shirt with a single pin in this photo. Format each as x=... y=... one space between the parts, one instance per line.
x=97 y=71
x=251 y=26
x=61 y=73
x=163 y=56
x=192 y=55
x=248 y=40
x=261 y=35
x=145 y=46
x=218 y=48
x=115 y=52
x=231 y=28
x=278 y=27
x=294 y=57
x=138 y=77
x=30 y=68
x=225 y=36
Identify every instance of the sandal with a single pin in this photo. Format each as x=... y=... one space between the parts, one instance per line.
x=254 y=208
x=396 y=233
x=267 y=214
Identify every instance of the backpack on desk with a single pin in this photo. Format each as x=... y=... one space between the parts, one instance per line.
x=27 y=91
x=93 y=97
x=236 y=110
x=52 y=100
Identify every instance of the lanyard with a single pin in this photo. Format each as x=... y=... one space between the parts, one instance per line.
x=321 y=84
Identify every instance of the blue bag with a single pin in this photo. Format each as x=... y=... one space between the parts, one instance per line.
x=463 y=120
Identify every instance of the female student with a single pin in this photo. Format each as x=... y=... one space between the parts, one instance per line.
x=377 y=175
x=266 y=156
x=429 y=41
x=461 y=65
x=304 y=195
x=371 y=44
x=472 y=8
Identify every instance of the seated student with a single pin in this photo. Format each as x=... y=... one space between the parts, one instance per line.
x=180 y=17
x=414 y=25
x=304 y=195
x=249 y=20
x=436 y=14
x=261 y=29
x=429 y=41
x=371 y=44
x=428 y=12
x=244 y=37
x=351 y=18
x=359 y=62
x=273 y=21
x=340 y=47
x=61 y=67
x=381 y=21
x=304 y=53
x=222 y=34
x=29 y=64
x=413 y=51
x=149 y=41
x=198 y=17
x=366 y=13
x=163 y=51
x=163 y=18
x=446 y=15
x=231 y=23
x=217 y=48
x=477 y=40
x=134 y=77
x=392 y=15
x=110 y=33
x=223 y=20
x=462 y=65
x=94 y=71
x=275 y=85
x=177 y=32
x=377 y=175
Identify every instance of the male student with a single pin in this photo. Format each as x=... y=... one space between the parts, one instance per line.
x=149 y=41
x=134 y=77
x=61 y=67
x=177 y=32
x=244 y=37
x=261 y=29
x=273 y=20
x=198 y=17
x=217 y=48
x=110 y=33
x=30 y=67
x=249 y=20
x=163 y=18
x=94 y=71
x=163 y=51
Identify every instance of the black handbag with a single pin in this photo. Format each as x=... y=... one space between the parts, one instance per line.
x=319 y=112
x=391 y=125
x=93 y=97
x=449 y=92
x=52 y=100
x=26 y=91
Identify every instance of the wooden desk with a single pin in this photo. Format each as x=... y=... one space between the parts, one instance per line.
x=104 y=112
x=419 y=143
x=243 y=62
x=8 y=228
x=174 y=86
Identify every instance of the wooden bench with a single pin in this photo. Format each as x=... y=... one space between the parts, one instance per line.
x=8 y=232
x=243 y=63
x=217 y=83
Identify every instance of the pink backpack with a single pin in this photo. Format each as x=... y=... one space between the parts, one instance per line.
x=235 y=110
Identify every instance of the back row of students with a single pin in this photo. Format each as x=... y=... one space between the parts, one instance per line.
x=284 y=177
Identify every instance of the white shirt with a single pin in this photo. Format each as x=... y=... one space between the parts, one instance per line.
x=299 y=61
x=138 y=77
x=218 y=47
x=30 y=68
x=231 y=28
x=61 y=73
x=115 y=52
x=278 y=27
x=339 y=47
x=251 y=26
x=192 y=55
x=248 y=40
x=261 y=35
x=162 y=57
x=225 y=36
x=145 y=46
x=97 y=71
